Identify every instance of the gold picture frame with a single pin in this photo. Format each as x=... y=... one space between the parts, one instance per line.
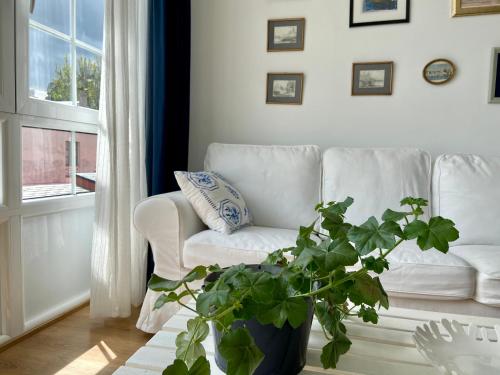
x=451 y=72
x=482 y=7
x=297 y=45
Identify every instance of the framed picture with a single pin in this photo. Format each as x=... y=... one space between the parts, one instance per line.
x=439 y=71
x=495 y=76
x=378 y=12
x=372 y=78
x=285 y=88
x=286 y=34
x=475 y=7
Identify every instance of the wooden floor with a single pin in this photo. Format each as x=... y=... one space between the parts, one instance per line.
x=75 y=345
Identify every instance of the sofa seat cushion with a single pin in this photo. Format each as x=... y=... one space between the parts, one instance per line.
x=249 y=245
x=486 y=260
x=428 y=274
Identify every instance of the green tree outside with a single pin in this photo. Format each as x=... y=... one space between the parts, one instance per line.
x=88 y=81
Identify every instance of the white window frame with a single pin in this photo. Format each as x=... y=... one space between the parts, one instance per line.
x=37 y=107
x=7 y=58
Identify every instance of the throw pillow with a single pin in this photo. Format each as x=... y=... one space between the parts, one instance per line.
x=218 y=204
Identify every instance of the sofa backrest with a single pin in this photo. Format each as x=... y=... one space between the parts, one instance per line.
x=377 y=179
x=280 y=184
x=466 y=189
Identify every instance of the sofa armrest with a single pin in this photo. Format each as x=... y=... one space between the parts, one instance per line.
x=166 y=221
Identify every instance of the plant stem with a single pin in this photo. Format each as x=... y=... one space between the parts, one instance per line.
x=189 y=290
x=187 y=307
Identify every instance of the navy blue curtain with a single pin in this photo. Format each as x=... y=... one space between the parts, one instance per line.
x=167 y=102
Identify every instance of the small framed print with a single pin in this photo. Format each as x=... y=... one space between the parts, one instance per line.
x=286 y=34
x=495 y=76
x=475 y=7
x=378 y=12
x=439 y=71
x=372 y=78
x=285 y=88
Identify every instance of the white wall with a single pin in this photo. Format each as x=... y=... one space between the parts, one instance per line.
x=230 y=63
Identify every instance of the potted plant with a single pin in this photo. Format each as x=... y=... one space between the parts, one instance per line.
x=244 y=302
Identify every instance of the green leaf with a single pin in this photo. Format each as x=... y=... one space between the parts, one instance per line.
x=239 y=349
x=170 y=297
x=390 y=215
x=365 y=290
x=306 y=256
x=376 y=265
x=341 y=253
x=159 y=284
x=278 y=257
x=332 y=351
x=338 y=208
x=370 y=236
x=217 y=296
x=292 y=309
x=197 y=273
x=327 y=316
x=410 y=201
x=437 y=234
x=384 y=298
x=260 y=285
x=200 y=367
x=368 y=314
x=177 y=368
x=188 y=343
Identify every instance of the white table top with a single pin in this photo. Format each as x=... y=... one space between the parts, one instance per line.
x=383 y=349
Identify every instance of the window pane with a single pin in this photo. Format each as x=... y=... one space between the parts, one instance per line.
x=53 y=13
x=88 y=78
x=49 y=67
x=90 y=21
x=86 y=149
x=44 y=154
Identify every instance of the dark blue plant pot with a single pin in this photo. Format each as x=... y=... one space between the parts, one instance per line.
x=285 y=349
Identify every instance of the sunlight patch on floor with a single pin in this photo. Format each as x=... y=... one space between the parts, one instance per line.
x=91 y=362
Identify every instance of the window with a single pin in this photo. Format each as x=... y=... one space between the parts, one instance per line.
x=57 y=162
x=65 y=51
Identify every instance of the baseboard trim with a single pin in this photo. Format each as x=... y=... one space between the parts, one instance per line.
x=16 y=340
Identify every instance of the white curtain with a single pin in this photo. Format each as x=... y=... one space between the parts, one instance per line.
x=119 y=253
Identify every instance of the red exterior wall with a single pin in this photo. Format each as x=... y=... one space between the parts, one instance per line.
x=44 y=155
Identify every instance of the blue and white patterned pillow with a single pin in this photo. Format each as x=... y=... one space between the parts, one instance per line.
x=218 y=204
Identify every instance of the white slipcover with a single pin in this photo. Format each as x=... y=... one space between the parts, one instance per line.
x=466 y=189
x=428 y=274
x=377 y=179
x=280 y=184
x=486 y=260
x=166 y=220
x=248 y=245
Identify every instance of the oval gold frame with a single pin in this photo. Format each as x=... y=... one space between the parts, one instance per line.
x=452 y=75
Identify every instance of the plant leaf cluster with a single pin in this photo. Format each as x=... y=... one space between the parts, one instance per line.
x=334 y=267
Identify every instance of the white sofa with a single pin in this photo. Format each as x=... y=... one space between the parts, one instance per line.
x=282 y=184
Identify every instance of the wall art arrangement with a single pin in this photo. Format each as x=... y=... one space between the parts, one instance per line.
x=372 y=78
x=378 y=12
x=439 y=71
x=495 y=76
x=475 y=7
x=286 y=34
x=285 y=88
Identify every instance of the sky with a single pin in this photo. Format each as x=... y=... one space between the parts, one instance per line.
x=48 y=52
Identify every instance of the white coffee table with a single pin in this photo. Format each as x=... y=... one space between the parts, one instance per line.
x=383 y=349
